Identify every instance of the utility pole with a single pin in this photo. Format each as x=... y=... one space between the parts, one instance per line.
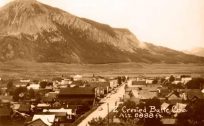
x=108 y=112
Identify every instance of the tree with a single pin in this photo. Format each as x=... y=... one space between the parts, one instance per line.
x=195 y=83
x=155 y=81
x=119 y=80
x=10 y=84
x=171 y=78
x=155 y=121
x=196 y=113
x=50 y=84
x=43 y=84
x=104 y=122
x=98 y=122
x=193 y=116
x=182 y=119
x=31 y=93
x=19 y=93
x=10 y=87
x=121 y=114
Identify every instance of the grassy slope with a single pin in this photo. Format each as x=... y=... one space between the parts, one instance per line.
x=49 y=70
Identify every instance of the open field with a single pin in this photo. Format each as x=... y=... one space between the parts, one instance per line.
x=17 y=70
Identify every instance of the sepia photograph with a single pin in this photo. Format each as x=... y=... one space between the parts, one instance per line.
x=101 y=62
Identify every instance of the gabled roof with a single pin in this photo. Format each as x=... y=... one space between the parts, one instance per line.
x=47 y=119
x=173 y=95
x=37 y=122
x=164 y=106
x=68 y=111
x=77 y=91
x=143 y=94
x=57 y=114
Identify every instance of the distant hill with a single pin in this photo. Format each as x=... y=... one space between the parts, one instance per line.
x=196 y=51
x=32 y=31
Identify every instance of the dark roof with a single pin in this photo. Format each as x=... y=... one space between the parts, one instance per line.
x=5 y=111
x=78 y=101
x=24 y=108
x=47 y=99
x=99 y=84
x=164 y=91
x=138 y=82
x=37 y=122
x=77 y=91
x=173 y=93
x=57 y=114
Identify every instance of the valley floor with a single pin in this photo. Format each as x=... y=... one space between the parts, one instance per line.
x=26 y=70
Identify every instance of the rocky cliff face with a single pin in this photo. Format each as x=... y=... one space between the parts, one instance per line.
x=33 y=31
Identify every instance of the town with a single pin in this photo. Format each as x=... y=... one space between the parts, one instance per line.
x=76 y=100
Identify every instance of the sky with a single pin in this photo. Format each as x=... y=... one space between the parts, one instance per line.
x=177 y=24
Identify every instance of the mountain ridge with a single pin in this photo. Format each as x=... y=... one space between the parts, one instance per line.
x=34 y=31
x=199 y=51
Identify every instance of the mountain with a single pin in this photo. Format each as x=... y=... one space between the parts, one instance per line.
x=32 y=31
x=196 y=51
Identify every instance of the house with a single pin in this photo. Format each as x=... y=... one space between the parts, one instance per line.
x=102 y=88
x=47 y=119
x=143 y=94
x=149 y=81
x=42 y=106
x=174 y=97
x=185 y=78
x=47 y=99
x=24 y=80
x=99 y=79
x=52 y=94
x=33 y=86
x=176 y=81
x=62 y=115
x=50 y=97
x=113 y=83
x=77 y=96
x=66 y=82
x=136 y=83
x=164 y=106
x=37 y=122
x=24 y=108
x=76 y=77
x=68 y=111
x=100 y=92
x=15 y=106
x=78 y=83
x=162 y=92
